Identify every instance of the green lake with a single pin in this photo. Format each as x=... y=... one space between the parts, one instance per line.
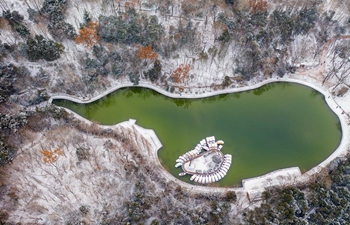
x=277 y=126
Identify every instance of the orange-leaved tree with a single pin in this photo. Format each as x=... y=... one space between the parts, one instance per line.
x=258 y=5
x=131 y=4
x=51 y=156
x=146 y=52
x=88 y=35
x=180 y=73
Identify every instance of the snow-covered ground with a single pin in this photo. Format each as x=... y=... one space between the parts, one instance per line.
x=46 y=191
x=337 y=104
x=253 y=187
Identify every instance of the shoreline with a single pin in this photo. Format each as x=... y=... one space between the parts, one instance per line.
x=151 y=86
x=255 y=185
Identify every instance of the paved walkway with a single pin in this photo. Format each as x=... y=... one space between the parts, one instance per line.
x=251 y=185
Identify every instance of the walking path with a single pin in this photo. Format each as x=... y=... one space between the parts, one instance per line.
x=252 y=187
x=319 y=72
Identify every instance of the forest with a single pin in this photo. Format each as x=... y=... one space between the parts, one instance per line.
x=83 y=48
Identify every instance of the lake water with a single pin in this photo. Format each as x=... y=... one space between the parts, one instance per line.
x=277 y=126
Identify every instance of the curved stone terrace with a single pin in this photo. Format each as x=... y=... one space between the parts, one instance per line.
x=205 y=167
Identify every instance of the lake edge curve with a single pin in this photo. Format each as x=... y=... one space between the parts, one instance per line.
x=289 y=175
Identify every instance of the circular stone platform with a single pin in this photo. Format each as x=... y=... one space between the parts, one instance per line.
x=205 y=163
